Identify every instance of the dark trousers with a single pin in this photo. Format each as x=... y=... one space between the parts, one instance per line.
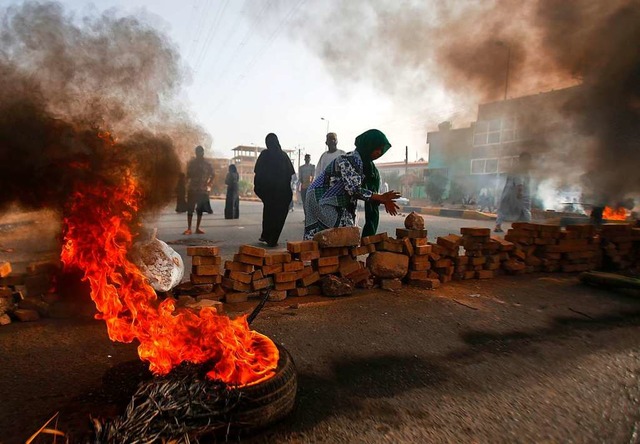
x=232 y=205
x=274 y=214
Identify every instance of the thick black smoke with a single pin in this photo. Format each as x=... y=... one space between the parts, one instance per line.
x=87 y=100
x=411 y=48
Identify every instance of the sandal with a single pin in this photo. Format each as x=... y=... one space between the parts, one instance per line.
x=187 y=232
x=199 y=231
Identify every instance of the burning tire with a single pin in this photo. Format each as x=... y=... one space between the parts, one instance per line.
x=185 y=405
x=268 y=401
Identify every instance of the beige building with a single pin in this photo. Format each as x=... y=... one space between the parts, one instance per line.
x=244 y=157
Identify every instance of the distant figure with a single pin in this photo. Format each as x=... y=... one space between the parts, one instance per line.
x=181 y=194
x=333 y=196
x=272 y=184
x=232 y=203
x=485 y=200
x=385 y=187
x=199 y=178
x=328 y=156
x=306 y=173
x=294 y=188
x=515 y=202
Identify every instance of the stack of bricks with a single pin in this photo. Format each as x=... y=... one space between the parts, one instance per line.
x=419 y=251
x=445 y=254
x=253 y=270
x=620 y=246
x=205 y=271
x=549 y=248
x=483 y=257
x=342 y=261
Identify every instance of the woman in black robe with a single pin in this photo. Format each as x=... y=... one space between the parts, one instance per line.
x=232 y=204
x=272 y=184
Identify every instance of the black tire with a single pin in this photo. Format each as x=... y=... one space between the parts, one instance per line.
x=267 y=402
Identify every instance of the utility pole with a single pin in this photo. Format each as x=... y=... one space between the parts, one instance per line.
x=406 y=168
x=299 y=154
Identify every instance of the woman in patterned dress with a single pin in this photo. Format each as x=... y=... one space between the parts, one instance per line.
x=333 y=196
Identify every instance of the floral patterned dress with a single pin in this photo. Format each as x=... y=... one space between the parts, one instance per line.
x=333 y=196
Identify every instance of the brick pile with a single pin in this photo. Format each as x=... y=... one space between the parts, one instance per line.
x=206 y=276
x=549 y=248
x=620 y=246
x=484 y=257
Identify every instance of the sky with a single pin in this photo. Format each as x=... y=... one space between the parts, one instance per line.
x=248 y=76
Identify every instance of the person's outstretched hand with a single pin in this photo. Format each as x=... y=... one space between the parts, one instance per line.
x=387 y=199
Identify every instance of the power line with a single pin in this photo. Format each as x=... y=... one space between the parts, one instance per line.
x=260 y=53
x=212 y=31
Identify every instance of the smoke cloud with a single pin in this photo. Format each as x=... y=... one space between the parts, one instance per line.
x=411 y=49
x=87 y=99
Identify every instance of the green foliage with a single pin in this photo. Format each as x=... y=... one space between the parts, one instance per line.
x=245 y=188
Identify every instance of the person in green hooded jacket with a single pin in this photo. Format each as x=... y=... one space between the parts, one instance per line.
x=332 y=198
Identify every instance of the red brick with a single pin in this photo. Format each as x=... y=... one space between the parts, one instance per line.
x=297 y=292
x=359 y=251
x=300 y=246
x=334 y=251
x=359 y=275
x=450 y=241
x=310 y=279
x=338 y=237
x=277 y=258
x=418 y=275
x=348 y=265
x=408 y=247
x=203 y=251
x=328 y=269
x=206 y=260
x=238 y=266
x=285 y=276
x=285 y=285
x=330 y=260
x=271 y=269
x=235 y=285
x=421 y=242
x=247 y=259
x=411 y=234
x=206 y=270
x=252 y=251
x=293 y=266
x=262 y=283
x=198 y=280
x=309 y=255
x=239 y=276
x=391 y=245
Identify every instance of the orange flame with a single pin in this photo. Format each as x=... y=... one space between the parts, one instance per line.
x=611 y=214
x=97 y=238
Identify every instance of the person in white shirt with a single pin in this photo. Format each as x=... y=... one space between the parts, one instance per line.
x=328 y=156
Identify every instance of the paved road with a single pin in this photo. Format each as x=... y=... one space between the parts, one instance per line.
x=535 y=358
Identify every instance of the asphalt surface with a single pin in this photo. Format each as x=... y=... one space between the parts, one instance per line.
x=535 y=358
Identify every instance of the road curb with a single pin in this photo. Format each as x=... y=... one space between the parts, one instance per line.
x=450 y=212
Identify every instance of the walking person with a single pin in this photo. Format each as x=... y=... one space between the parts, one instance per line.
x=306 y=173
x=515 y=202
x=332 y=153
x=272 y=184
x=232 y=202
x=333 y=196
x=199 y=179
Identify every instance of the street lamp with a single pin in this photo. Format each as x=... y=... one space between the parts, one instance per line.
x=506 y=81
x=327 y=120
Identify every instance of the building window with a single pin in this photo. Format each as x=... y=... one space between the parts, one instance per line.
x=491 y=132
x=492 y=165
